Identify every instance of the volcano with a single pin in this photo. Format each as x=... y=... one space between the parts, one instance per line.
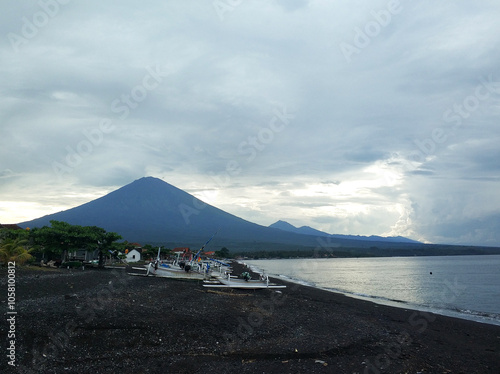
x=149 y=210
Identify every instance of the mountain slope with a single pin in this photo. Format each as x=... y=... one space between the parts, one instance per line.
x=151 y=210
x=306 y=230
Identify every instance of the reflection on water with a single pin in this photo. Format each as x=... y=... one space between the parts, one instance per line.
x=454 y=284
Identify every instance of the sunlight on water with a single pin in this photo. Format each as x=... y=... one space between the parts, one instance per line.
x=465 y=286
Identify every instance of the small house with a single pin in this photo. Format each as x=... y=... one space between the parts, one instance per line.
x=133 y=255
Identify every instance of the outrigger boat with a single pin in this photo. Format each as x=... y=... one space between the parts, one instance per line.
x=192 y=268
x=167 y=271
x=245 y=282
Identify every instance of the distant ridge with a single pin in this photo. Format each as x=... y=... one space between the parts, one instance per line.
x=150 y=210
x=306 y=230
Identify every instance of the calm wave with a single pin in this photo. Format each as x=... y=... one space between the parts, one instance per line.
x=459 y=286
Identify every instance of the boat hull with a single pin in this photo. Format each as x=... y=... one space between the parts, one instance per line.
x=175 y=273
x=244 y=287
x=242 y=284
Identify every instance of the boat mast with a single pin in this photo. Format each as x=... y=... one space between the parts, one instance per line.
x=204 y=245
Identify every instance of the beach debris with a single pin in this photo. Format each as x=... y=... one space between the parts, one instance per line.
x=321 y=362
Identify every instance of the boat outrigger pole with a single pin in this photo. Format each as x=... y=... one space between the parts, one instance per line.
x=204 y=245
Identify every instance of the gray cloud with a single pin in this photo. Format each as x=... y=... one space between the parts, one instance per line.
x=406 y=123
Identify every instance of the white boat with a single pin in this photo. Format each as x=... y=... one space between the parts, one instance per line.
x=194 y=268
x=168 y=271
x=155 y=269
x=229 y=281
x=187 y=267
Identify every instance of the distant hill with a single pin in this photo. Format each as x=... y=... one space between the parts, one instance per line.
x=151 y=211
x=306 y=230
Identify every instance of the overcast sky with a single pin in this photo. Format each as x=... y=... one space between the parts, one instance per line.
x=353 y=117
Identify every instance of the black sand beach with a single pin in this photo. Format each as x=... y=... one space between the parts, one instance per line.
x=105 y=321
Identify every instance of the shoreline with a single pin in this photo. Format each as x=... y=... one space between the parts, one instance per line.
x=74 y=321
x=399 y=304
x=474 y=316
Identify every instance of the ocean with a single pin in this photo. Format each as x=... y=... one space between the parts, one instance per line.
x=459 y=286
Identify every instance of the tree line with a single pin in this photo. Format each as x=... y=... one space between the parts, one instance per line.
x=55 y=241
x=61 y=238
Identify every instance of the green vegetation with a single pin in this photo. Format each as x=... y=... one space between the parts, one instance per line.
x=420 y=250
x=223 y=253
x=16 y=250
x=61 y=238
x=148 y=251
x=304 y=253
x=55 y=242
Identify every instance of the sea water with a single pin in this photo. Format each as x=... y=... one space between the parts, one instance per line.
x=458 y=286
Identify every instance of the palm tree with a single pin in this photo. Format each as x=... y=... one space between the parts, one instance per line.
x=14 y=250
